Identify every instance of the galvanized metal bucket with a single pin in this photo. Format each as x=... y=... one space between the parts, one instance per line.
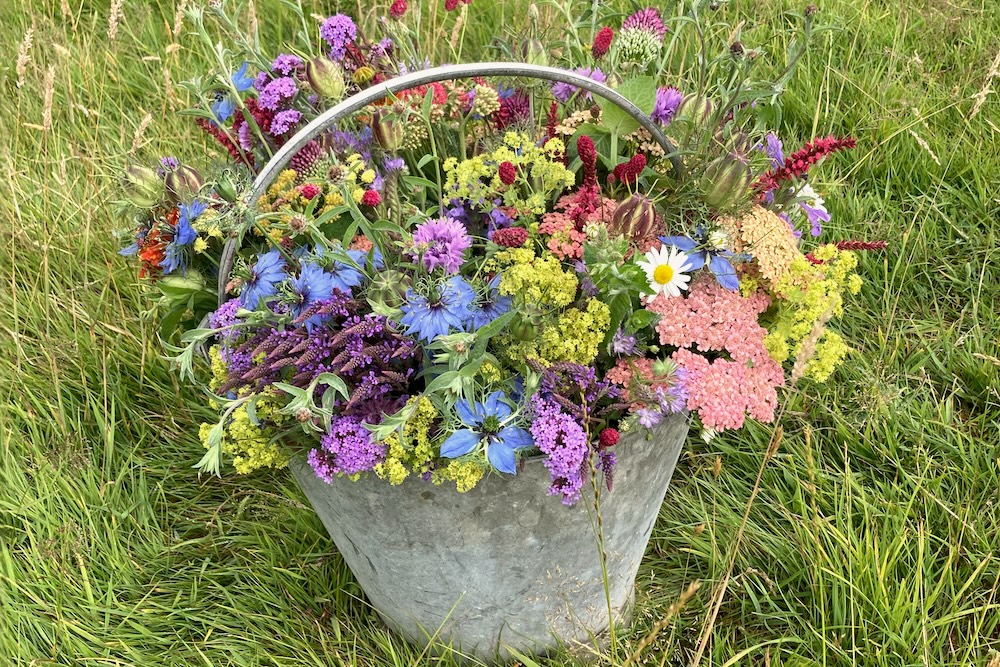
x=503 y=565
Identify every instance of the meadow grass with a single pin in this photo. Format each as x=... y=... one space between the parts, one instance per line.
x=873 y=537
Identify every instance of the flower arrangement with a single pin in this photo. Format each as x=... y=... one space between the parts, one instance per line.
x=471 y=273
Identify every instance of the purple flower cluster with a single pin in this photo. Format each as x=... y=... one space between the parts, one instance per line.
x=347 y=449
x=284 y=121
x=564 y=443
x=647 y=20
x=286 y=64
x=276 y=92
x=338 y=31
x=441 y=243
x=563 y=91
x=667 y=102
x=225 y=318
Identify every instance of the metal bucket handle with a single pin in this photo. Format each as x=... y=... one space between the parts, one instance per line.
x=448 y=72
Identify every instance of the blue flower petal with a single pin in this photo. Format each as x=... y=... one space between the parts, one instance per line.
x=460 y=443
x=724 y=273
x=516 y=437
x=685 y=243
x=502 y=457
x=129 y=251
x=494 y=406
x=241 y=80
x=467 y=413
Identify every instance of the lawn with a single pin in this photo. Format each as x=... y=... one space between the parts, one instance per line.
x=870 y=537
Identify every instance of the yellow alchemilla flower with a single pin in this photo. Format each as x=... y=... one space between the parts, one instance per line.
x=368 y=176
x=200 y=245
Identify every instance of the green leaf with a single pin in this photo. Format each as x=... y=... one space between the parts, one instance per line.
x=641 y=319
x=425 y=159
x=335 y=383
x=621 y=307
x=211 y=462
x=640 y=91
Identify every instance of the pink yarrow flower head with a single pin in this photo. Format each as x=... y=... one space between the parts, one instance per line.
x=647 y=20
x=441 y=243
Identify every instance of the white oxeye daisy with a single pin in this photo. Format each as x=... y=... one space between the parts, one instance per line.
x=666 y=269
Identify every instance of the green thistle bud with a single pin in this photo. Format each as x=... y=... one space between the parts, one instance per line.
x=226 y=188
x=635 y=218
x=143 y=188
x=325 y=78
x=183 y=183
x=533 y=52
x=726 y=181
x=695 y=109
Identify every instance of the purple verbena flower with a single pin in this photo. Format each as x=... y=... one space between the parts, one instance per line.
x=277 y=92
x=287 y=63
x=283 y=121
x=339 y=31
x=564 y=442
x=348 y=448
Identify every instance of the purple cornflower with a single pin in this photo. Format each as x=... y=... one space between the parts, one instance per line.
x=245 y=136
x=667 y=101
x=284 y=121
x=426 y=318
x=647 y=20
x=276 y=92
x=348 y=448
x=286 y=63
x=563 y=91
x=623 y=344
x=441 y=242
x=263 y=279
x=564 y=442
x=394 y=164
x=338 y=31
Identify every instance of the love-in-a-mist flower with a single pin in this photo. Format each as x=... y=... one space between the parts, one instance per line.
x=489 y=425
x=449 y=308
x=263 y=279
x=667 y=270
x=491 y=306
x=312 y=285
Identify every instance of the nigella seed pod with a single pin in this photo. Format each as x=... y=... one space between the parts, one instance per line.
x=226 y=188
x=183 y=183
x=635 y=218
x=389 y=287
x=726 y=181
x=533 y=52
x=143 y=188
x=325 y=78
x=695 y=108
x=387 y=132
x=523 y=329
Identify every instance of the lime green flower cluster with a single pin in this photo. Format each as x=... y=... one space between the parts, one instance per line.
x=809 y=293
x=533 y=279
x=540 y=173
x=414 y=451
x=248 y=439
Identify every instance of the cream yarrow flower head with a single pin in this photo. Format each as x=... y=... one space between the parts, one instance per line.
x=667 y=270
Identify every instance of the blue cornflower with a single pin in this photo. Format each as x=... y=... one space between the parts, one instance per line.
x=184 y=235
x=264 y=278
x=427 y=318
x=491 y=306
x=489 y=424
x=241 y=80
x=312 y=284
x=700 y=253
x=223 y=108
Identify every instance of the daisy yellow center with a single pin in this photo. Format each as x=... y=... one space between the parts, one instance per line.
x=663 y=274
